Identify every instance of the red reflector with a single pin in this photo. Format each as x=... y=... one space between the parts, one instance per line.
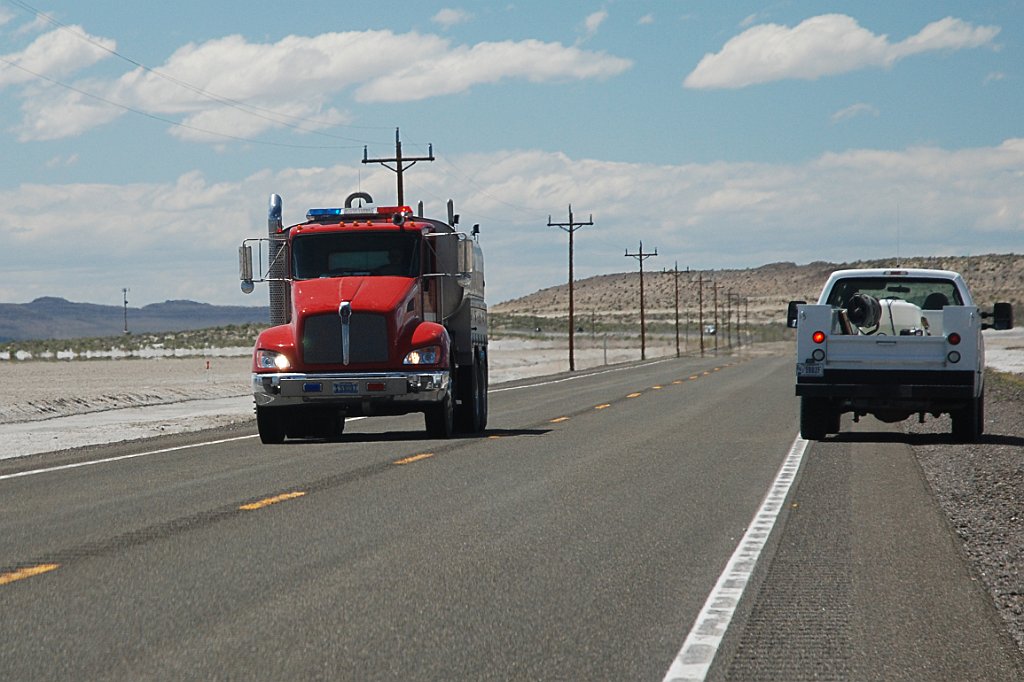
x=375 y=387
x=954 y=339
x=818 y=337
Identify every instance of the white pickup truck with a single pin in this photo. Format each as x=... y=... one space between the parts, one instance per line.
x=892 y=343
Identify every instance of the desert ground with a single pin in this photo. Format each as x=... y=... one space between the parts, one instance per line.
x=60 y=404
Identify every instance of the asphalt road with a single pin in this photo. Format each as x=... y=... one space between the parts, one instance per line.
x=577 y=540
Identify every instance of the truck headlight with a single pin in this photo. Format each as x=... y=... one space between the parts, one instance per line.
x=430 y=355
x=269 y=359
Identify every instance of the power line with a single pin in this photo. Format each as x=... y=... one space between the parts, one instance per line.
x=251 y=109
x=168 y=121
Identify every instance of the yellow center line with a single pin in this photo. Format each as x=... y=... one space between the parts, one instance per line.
x=603 y=406
x=26 y=573
x=656 y=388
x=677 y=382
x=253 y=506
x=557 y=420
x=414 y=458
x=694 y=377
x=634 y=395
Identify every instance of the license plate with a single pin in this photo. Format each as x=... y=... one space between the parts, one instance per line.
x=810 y=369
x=345 y=388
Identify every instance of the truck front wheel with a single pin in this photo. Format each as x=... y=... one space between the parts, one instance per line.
x=440 y=418
x=270 y=423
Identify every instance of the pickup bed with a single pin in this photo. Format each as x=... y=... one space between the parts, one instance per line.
x=891 y=344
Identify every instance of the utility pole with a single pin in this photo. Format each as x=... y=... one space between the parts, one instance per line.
x=700 y=319
x=571 y=228
x=124 y=292
x=728 y=318
x=641 y=257
x=718 y=331
x=399 y=160
x=675 y=278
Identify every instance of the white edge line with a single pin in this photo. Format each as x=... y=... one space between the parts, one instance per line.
x=694 y=659
x=107 y=460
x=574 y=377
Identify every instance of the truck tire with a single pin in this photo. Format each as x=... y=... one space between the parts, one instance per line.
x=270 y=423
x=471 y=414
x=333 y=425
x=815 y=419
x=440 y=418
x=969 y=421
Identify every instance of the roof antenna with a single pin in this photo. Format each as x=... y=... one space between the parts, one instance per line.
x=899 y=263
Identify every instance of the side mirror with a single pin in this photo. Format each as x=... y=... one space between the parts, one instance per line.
x=791 y=311
x=245 y=268
x=1003 y=314
x=466 y=260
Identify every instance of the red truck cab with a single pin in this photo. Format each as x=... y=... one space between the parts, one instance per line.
x=378 y=312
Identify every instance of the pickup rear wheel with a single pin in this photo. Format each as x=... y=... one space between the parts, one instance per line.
x=969 y=421
x=817 y=419
x=270 y=423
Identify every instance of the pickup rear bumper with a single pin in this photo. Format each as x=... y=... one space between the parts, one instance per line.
x=359 y=393
x=890 y=385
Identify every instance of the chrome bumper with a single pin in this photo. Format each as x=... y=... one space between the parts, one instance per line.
x=397 y=388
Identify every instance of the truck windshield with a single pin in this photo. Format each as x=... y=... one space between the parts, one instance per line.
x=927 y=294
x=345 y=254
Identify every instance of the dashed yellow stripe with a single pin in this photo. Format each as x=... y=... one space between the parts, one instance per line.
x=6 y=578
x=414 y=458
x=656 y=388
x=634 y=395
x=252 y=506
x=602 y=406
x=558 y=420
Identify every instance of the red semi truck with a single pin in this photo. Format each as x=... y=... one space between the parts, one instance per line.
x=376 y=311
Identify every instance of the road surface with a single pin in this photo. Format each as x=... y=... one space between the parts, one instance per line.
x=579 y=539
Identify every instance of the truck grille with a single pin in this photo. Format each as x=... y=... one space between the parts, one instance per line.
x=368 y=339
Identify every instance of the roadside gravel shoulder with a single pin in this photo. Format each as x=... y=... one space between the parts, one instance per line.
x=980 y=487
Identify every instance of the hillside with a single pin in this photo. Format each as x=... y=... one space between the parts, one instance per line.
x=766 y=289
x=58 y=318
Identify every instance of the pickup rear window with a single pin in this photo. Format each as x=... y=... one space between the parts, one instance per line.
x=927 y=294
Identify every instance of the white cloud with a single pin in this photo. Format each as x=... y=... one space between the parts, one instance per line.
x=825 y=45
x=459 y=69
x=308 y=70
x=179 y=239
x=853 y=111
x=448 y=17
x=593 y=22
x=55 y=54
x=994 y=77
x=646 y=20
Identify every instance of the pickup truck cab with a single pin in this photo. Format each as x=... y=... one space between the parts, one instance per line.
x=892 y=343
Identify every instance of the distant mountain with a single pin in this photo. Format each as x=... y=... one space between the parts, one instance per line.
x=58 y=318
x=764 y=291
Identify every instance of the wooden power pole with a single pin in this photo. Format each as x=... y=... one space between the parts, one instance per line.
x=641 y=257
x=571 y=228
x=402 y=164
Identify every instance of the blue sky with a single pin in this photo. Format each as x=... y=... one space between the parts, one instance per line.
x=142 y=139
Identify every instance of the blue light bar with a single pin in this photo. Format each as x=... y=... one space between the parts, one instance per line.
x=323 y=212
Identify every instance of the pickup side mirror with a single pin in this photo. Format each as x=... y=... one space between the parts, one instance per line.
x=1003 y=315
x=791 y=313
